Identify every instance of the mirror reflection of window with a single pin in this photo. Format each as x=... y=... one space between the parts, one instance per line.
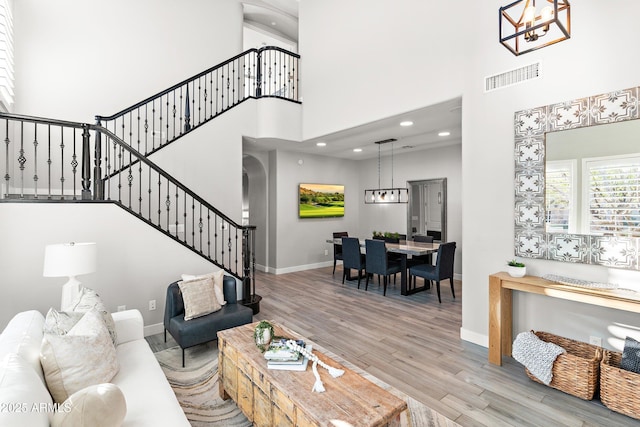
x=561 y=196
x=612 y=195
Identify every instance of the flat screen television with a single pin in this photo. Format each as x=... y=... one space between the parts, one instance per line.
x=320 y=200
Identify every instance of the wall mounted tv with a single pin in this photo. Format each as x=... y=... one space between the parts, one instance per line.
x=320 y=200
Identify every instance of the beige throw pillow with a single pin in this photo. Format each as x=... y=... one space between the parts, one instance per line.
x=217 y=277
x=101 y=405
x=88 y=299
x=199 y=297
x=82 y=357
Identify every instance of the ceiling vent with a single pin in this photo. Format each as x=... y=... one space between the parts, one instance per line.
x=513 y=77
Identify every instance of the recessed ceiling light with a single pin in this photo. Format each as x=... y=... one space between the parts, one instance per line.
x=273 y=23
x=357 y=150
x=406 y=123
x=444 y=133
x=321 y=144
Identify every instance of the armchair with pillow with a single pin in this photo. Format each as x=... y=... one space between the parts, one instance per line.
x=193 y=312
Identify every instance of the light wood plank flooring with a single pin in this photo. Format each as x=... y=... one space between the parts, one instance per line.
x=413 y=344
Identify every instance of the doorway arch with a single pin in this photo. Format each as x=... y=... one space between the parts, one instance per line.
x=254 y=205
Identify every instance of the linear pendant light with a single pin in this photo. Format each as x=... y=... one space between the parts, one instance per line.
x=386 y=195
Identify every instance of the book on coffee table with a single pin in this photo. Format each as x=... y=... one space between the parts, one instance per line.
x=299 y=364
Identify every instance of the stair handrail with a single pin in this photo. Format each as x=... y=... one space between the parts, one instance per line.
x=31 y=142
x=160 y=119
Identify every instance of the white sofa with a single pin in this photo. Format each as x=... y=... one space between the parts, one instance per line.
x=25 y=401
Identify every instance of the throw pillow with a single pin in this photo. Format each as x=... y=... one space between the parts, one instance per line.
x=101 y=405
x=82 y=357
x=199 y=298
x=218 y=278
x=23 y=395
x=87 y=300
x=631 y=355
x=61 y=322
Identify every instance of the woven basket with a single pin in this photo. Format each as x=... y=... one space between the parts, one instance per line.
x=619 y=387
x=577 y=371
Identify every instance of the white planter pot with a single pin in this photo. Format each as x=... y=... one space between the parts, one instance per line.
x=264 y=338
x=516 y=271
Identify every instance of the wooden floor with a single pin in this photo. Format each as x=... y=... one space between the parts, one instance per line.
x=413 y=344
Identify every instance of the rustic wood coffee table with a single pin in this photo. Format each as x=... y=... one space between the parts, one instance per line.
x=284 y=398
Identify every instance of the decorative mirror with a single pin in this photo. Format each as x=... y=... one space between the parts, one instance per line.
x=427 y=213
x=577 y=192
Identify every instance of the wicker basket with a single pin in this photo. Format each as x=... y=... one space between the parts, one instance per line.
x=577 y=371
x=619 y=387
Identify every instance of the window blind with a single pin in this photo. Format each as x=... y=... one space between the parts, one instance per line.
x=614 y=196
x=6 y=55
x=559 y=195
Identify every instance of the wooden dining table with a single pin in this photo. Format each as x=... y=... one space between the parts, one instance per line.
x=404 y=248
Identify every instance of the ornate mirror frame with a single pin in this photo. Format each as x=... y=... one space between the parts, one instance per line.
x=531 y=126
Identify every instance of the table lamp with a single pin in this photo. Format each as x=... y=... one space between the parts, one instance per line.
x=70 y=260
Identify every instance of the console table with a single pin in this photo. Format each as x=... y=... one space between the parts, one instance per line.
x=501 y=310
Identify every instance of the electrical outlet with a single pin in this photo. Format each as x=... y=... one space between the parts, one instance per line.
x=595 y=341
x=152 y=305
x=326 y=252
x=122 y=307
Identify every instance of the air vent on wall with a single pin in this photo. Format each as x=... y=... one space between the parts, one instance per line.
x=513 y=77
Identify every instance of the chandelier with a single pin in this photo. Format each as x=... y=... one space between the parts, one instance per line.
x=386 y=195
x=524 y=28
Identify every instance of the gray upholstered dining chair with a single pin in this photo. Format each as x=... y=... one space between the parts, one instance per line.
x=352 y=258
x=378 y=262
x=337 y=249
x=441 y=271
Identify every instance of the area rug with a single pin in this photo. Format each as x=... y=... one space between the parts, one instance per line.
x=196 y=387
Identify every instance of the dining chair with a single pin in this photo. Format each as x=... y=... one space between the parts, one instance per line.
x=420 y=259
x=352 y=258
x=441 y=271
x=378 y=262
x=337 y=249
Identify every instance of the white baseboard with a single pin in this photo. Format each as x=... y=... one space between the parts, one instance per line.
x=154 y=329
x=474 y=337
x=300 y=267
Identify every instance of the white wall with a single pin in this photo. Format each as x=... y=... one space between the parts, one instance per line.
x=365 y=60
x=74 y=60
x=595 y=60
x=135 y=262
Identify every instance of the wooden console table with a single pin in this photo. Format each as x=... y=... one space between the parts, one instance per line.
x=501 y=310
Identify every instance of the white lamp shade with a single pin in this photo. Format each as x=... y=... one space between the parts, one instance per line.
x=70 y=259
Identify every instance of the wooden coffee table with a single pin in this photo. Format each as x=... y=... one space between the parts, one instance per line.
x=284 y=398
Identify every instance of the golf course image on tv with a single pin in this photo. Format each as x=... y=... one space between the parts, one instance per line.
x=320 y=200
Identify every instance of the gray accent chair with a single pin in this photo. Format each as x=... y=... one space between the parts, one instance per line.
x=189 y=333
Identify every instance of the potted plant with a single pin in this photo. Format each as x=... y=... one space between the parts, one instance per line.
x=516 y=268
x=262 y=334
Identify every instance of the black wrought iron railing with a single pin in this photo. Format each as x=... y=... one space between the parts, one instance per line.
x=57 y=161
x=163 y=118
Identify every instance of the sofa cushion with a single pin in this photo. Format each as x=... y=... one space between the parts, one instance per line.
x=101 y=405
x=88 y=299
x=150 y=399
x=218 y=278
x=82 y=357
x=199 y=297
x=24 y=397
x=23 y=335
x=205 y=328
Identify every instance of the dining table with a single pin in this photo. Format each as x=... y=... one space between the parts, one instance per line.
x=404 y=248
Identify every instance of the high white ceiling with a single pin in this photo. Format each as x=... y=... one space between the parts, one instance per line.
x=280 y=17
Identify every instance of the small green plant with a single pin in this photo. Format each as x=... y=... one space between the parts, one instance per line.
x=259 y=336
x=514 y=263
x=377 y=233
